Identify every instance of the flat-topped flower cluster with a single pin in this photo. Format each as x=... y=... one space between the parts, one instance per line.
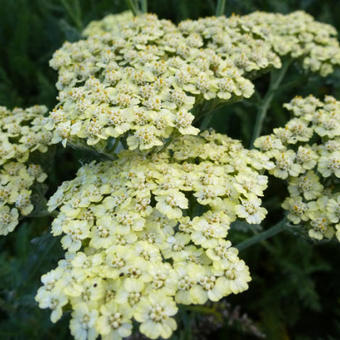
x=299 y=36
x=111 y=22
x=256 y=41
x=306 y=152
x=232 y=38
x=143 y=234
x=140 y=83
x=21 y=133
x=142 y=79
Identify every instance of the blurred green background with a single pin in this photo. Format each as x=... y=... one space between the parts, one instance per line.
x=295 y=292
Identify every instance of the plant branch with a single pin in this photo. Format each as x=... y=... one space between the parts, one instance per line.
x=112 y=145
x=220 y=8
x=143 y=6
x=272 y=231
x=74 y=13
x=209 y=109
x=206 y=120
x=132 y=5
x=276 y=78
x=96 y=153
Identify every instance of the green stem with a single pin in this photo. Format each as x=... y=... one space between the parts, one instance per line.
x=115 y=145
x=275 y=229
x=96 y=153
x=143 y=6
x=276 y=78
x=209 y=109
x=132 y=5
x=167 y=142
x=75 y=14
x=112 y=145
x=220 y=8
x=206 y=121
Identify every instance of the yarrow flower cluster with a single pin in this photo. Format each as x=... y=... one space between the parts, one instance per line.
x=110 y=23
x=142 y=78
x=227 y=37
x=306 y=153
x=145 y=233
x=139 y=83
x=21 y=133
x=233 y=38
x=298 y=36
x=255 y=42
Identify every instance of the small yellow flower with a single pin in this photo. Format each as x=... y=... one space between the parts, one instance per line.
x=82 y=323
x=8 y=219
x=115 y=321
x=154 y=312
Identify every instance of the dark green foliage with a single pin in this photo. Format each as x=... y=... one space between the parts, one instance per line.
x=25 y=255
x=295 y=289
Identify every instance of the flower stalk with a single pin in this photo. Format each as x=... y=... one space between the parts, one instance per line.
x=276 y=78
x=220 y=8
x=132 y=6
x=74 y=13
x=274 y=230
x=137 y=7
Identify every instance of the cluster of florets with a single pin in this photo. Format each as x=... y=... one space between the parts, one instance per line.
x=306 y=152
x=21 y=132
x=249 y=51
x=139 y=83
x=232 y=38
x=142 y=79
x=16 y=180
x=145 y=233
x=298 y=36
x=255 y=42
x=110 y=23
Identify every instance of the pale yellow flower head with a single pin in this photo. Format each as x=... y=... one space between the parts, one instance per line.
x=142 y=79
x=22 y=131
x=145 y=233
x=111 y=23
x=298 y=36
x=254 y=42
x=141 y=82
x=234 y=38
x=306 y=153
